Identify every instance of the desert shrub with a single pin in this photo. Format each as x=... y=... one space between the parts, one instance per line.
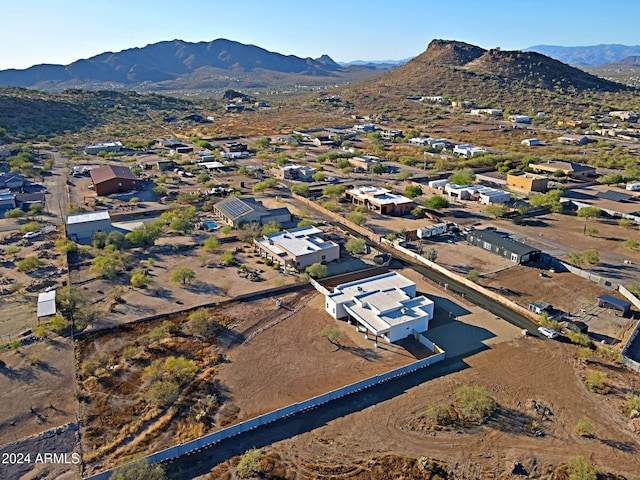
x=227 y=258
x=631 y=405
x=357 y=218
x=331 y=206
x=139 y=470
x=201 y=324
x=59 y=323
x=163 y=392
x=29 y=264
x=475 y=403
x=584 y=427
x=473 y=275
x=89 y=366
x=581 y=339
x=211 y=244
x=608 y=353
x=545 y=321
x=64 y=245
x=317 y=270
x=597 y=382
x=581 y=469
x=129 y=352
x=182 y=275
x=249 y=464
x=440 y=414
x=139 y=278
x=355 y=246
x=30 y=227
x=177 y=369
x=585 y=354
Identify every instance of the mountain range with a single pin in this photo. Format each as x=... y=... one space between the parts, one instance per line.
x=178 y=64
x=594 y=55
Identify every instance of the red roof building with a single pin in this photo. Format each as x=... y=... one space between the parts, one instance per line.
x=113 y=179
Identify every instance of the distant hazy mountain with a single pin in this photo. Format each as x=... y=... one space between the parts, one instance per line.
x=178 y=64
x=376 y=63
x=591 y=55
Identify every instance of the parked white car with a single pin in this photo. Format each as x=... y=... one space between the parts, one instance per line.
x=548 y=332
x=31 y=234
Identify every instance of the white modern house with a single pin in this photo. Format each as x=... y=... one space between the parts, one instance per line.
x=384 y=305
x=298 y=247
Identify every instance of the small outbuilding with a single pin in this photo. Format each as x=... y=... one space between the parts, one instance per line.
x=504 y=246
x=47 y=304
x=609 y=301
x=82 y=227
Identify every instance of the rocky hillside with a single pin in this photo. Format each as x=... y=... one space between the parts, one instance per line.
x=526 y=81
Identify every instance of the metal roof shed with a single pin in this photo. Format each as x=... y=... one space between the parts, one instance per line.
x=47 y=304
x=608 y=301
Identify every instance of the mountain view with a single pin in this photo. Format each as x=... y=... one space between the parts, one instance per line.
x=221 y=262
x=591 y=55
x=178 y=64
x=462 y=71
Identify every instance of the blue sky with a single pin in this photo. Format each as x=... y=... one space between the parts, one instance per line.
x=62 y=31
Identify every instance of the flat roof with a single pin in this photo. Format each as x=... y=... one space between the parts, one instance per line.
x=47 y=303
x=383 y=310
x=386 y=281
x=615 y=301
x=505 y=242
x=88 y=217
x=297 y=241
x=378 y=195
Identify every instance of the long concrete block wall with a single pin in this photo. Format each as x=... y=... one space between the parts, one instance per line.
x=293 y=409
x=629 y=296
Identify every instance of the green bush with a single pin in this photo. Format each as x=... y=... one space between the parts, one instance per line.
x=249 y=464
x=584 y=427
x=29 y=264
x=30 y=227
x=163 y=393
x=475 y=403
x=581 y=339
x=631 y=405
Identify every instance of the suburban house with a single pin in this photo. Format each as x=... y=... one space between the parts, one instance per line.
x=82 y=227
x=380 y=200
x=390 y=133
x=573 y=139
x=7 y=201
x=480 y=193
x=625 y=116
x=171 y=143
x=421 y=141
x=364 y=127
x=384 y=305
x=298 y=248
x=236 y=211
x=492 y=112
x=295 y=172
x=113 y=179
x=25 y=200
x=103 y=147
x=570 y=169
x=363 y=162
x=12 y=181
x=527 y=182
x=234 y=147
x=323 y=140
x=504 y=246
x=465 y=150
